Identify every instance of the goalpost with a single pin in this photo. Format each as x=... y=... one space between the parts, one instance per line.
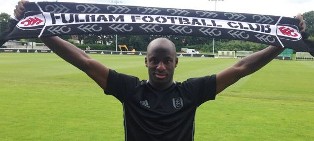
x=241 y=54
x=226 y=54
x=303 y=56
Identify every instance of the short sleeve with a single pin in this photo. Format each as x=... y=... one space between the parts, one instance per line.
x=119 y=85
x=202 y=89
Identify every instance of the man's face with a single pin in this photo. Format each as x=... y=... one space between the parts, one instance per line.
x=161 y=62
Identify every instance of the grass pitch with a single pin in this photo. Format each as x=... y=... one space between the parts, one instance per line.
x=44 y=98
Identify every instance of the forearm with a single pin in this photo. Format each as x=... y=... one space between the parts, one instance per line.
x=259 y=59
x=66 y=51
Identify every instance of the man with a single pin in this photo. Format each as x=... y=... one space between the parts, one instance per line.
x=158 y=109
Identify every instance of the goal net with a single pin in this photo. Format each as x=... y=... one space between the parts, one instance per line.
x=226 y=54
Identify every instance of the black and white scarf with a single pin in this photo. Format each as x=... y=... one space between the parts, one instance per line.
x=62 y=18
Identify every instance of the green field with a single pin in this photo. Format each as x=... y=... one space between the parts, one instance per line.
x=43 y=98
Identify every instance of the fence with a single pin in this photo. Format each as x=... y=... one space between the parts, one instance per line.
x=26 y=50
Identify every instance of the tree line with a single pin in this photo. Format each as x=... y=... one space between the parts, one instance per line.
x=139 y=42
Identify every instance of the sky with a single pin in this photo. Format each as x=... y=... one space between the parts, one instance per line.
x=288 y=8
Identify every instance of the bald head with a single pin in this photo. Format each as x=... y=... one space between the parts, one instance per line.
x=163 y=43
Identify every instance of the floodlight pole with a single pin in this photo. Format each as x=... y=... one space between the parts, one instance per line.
x=116 y=42
x=116 y=2
x=214 y=38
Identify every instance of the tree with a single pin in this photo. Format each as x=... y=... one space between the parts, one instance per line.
x=309 y=18
x=4 y=20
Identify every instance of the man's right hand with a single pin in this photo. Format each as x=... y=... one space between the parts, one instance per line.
x=302 y=22
x=19 y=9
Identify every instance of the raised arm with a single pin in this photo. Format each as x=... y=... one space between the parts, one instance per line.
x=249 y=64
x=246 y=66
x=72 y=54
x=78 y=58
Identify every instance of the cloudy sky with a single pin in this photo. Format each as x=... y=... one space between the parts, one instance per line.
x=287 y=8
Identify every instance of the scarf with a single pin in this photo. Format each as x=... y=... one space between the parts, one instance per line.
x=43 y=19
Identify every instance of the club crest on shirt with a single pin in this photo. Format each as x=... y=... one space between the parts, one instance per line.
x=177 y=102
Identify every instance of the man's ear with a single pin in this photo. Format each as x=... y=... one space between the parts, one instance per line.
x=146 y=61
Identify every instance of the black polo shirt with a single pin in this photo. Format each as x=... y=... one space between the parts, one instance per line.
x=154 y=115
